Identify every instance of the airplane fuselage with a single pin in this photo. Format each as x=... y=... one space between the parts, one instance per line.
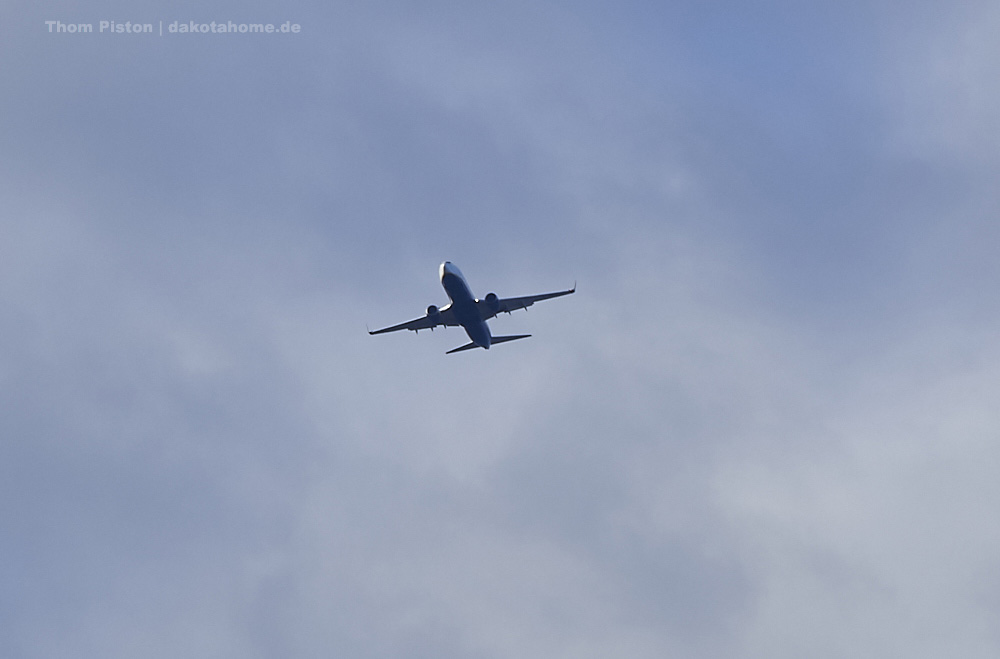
x=463 y=304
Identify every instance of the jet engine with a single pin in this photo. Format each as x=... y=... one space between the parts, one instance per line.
x=433 y=311
x=492 y=302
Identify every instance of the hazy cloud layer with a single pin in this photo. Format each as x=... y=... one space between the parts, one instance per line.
x=765 y=426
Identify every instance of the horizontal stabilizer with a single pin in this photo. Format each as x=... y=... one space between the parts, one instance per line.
x=495 y=340
x=467 y=346
x=513 y=337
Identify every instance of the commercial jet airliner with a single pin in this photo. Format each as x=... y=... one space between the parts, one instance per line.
x=469 y=312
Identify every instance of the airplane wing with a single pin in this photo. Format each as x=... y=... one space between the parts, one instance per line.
x=491 y=305
x=443 y=316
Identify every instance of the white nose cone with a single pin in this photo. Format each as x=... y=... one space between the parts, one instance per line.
x=448 y=268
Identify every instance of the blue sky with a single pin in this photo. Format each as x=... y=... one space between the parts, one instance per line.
x=765 y=426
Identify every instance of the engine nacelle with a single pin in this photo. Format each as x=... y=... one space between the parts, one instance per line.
x=433 y=311
x=492 y=302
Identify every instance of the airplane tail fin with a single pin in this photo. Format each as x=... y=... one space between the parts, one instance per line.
x=495 y=340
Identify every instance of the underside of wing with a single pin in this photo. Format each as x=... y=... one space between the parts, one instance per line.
x=508 y=304
x=434 y=318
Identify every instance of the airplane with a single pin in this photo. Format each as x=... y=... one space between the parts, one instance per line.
x=469 y=312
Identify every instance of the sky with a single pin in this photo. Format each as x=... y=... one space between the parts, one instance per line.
x=764 y=426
